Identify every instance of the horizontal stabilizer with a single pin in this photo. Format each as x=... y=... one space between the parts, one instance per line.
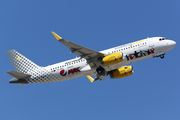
x=18 y=75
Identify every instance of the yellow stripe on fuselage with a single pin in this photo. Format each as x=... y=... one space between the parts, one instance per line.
x=137 y=42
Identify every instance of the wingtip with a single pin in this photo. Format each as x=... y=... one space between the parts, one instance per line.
x=56 y=36
x=90 y=78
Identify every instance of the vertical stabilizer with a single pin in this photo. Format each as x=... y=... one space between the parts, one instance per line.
x=20 y=62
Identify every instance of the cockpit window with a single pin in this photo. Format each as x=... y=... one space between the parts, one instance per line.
x=162 y=39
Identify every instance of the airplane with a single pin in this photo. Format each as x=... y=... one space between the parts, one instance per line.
x=111 y=62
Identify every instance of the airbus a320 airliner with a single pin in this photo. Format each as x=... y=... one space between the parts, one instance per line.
x=112 y=62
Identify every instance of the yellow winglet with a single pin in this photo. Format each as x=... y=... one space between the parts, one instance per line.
x=56 y=36
x=90 y=78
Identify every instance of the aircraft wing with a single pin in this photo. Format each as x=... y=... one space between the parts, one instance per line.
x=83 y=52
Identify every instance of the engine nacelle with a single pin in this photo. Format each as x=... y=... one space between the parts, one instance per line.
x=113 y=58
x=122 y=72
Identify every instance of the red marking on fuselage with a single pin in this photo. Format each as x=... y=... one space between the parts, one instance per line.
x=152 y=51
x=131 y=56
x=74 y=70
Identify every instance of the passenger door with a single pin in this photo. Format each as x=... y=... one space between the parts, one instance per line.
x=151 y=43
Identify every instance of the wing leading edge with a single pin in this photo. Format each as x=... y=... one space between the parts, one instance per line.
x=83 y=52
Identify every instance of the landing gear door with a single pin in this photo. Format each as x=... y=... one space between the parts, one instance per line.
x=151 y=43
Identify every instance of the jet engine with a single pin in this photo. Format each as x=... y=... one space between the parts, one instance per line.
x=113 y=58
x=122 y=72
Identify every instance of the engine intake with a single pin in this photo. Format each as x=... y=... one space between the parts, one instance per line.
x=113 y=58
x=122 y=72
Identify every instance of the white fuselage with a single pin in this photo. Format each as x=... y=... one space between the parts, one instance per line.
x=79 y=67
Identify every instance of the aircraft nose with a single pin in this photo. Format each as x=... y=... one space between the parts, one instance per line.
x=171 y=43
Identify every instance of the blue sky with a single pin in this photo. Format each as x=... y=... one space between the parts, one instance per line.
x=152 y=93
